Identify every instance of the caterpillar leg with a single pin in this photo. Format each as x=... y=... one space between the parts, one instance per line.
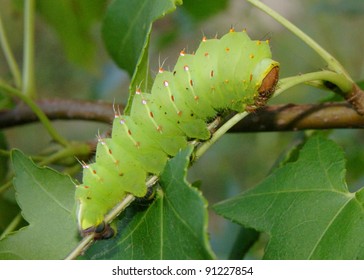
x=148 y=196
x=102 y=231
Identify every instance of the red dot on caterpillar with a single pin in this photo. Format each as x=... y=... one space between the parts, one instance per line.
x=232 y=29
x=160 y=70
x=206 y=54
x=138 y=91
x=129 y=131
x=204 y=39
x=151 y=114
x=182 y=53
x=172 y=98
x=227 y=49
x=86 y=187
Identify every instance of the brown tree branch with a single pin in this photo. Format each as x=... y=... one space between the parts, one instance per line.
x=356 y=98
x=288 y=117
x=59 y=109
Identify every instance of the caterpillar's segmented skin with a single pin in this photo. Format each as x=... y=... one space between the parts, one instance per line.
x=234 y=73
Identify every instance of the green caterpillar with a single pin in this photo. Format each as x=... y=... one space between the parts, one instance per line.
x=231 y=73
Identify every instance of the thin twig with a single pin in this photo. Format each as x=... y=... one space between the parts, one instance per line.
x=4 y=187
x=12 y=226
x=333 y=64
x=37 y=111
x=28 y=67
x=353 y=93
x=9 y=56
x=219 y=133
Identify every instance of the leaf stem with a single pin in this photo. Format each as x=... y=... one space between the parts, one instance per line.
x=10 y=228
x=73 y=149
x=333 y=64
x=40 y=114
x=339 y=80
x=5 y=186
x=284 y=84
x=28 y=68
x=203 y=147
x=9 y=56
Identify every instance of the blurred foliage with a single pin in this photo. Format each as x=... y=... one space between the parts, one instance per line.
x=199 y=11
x=349 y=7
x=4 y=160
x=72 y=21
x=71 y=61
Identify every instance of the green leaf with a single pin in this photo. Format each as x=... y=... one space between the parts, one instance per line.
x=172 y=227
x=126 y=33
x=305 y=206
x=361 y=84
x=46 y=198
x=72 y=21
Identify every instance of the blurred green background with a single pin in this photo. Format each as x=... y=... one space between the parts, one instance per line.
x=81 y=68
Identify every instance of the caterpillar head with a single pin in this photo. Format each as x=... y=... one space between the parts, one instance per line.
x=267 y=87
